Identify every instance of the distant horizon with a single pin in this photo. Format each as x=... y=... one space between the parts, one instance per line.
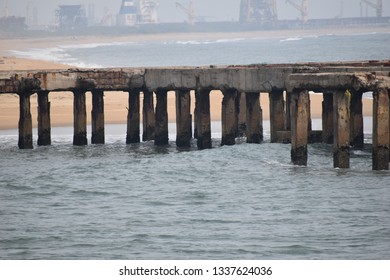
x=210 y=10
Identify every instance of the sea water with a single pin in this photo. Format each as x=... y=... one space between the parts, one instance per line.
x=118 y=201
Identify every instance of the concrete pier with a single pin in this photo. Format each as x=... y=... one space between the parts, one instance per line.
x=203 y=120
x=80 y=119
x=98 y=135
x=254 y=118
x=299 y=126
x=229 y=118
x=148 y=116
x=25 y=121
x=161 y=136
x=133 y=118
x=183 y=119
x=341 y=115
x=342 y=84
x=277 y=113
x=380 y=135
x=327 y=118
x=44 y=126
x=357 y=128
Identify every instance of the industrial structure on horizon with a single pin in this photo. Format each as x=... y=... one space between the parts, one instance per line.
x=143 y=14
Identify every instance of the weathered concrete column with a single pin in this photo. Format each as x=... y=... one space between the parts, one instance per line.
x=287 y=120
x=357 y=128
x=44 y=126
x=380 y=133
x=25 y=121
x=80 y=119
x=241 y=114
x=254 y=118
x=276 y=112
x=299 y=126
x=148 y=118
x=341 y=118
x=161 y=130
x=327 y=118
x=133 y=119
x=183 y=119
x=98 y=117
x=229 y=117
x=203 y=121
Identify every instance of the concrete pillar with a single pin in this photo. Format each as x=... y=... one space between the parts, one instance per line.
x=229 y=117
x=25 y=122
x=309 y=125
x=357 y=128
x=299 y=126
x=254 y=118
x=98 y=117
x=276 y=103
x=327 y=118
x=44 y=126
x=341 y=118
x=381 y=127
x=80 y=119
x=148 y=118
x=288 y=114
x=183 y=118
x=133 y=119
x=241 y=114
x=203 y=121
x=161 y=130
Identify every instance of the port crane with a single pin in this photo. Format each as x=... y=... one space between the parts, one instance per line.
x=378 y=6
x=190 y=11
x=301 y=8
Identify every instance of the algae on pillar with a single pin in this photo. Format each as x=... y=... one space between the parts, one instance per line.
x=161 y=136
x=148 y=116
x=203 y=121
x=254 y=118
x=133 y=118
x=44 y=126
x=25 y=121
x=341 y=115
x=183 y=118
x=80 y=119
x=299 y=126
x=381 y=127
x=98 y=117
x=229 y=117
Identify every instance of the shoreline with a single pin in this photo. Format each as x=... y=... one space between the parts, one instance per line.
x=116 y=102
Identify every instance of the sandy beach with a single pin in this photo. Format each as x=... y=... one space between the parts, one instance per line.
x=116 y=103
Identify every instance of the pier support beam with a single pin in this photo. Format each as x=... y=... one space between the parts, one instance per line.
x=229 y=117
x=183 y=119
x=357 y=129
x=341 y=117
x=25 y=121
x=254 y=118
x=276 y=112
x=287 y=121
x=98 y=117
x=299 y=126
x=380 y=134
x=133 y=119
x=148 y=118
x=203 y=121
x=161 y=137
x=80 y=119
x=44 y=126
x=327 y=118
x=241 y=114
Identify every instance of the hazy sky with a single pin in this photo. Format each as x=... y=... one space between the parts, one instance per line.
x=211 y=9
